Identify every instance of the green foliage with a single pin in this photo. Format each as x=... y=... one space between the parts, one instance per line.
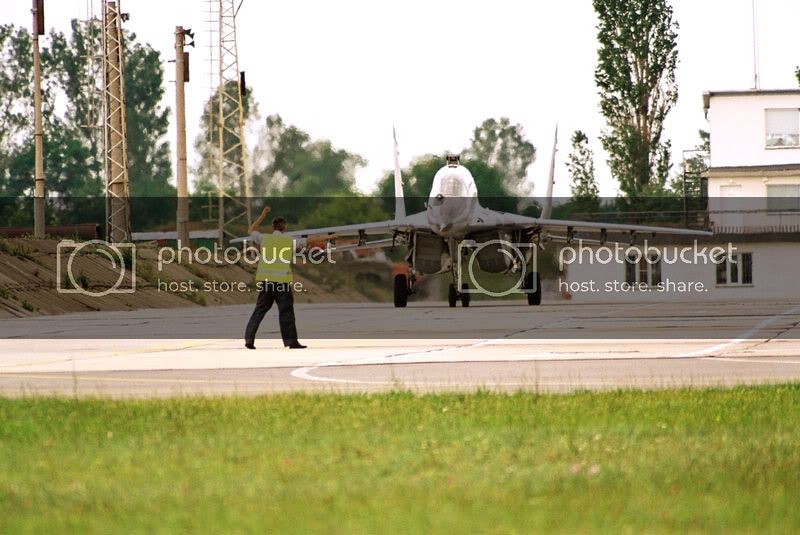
x=64 y=152
x=503 y=146
x=635 y=74
x=585 y=194
x=6 y=293
x=72 y=152
x=797 y=74
x=417 y=182
x=28 y=306
x=296 y=165
x=149 y=157
x=343 y=211
x=16 y=250
x=128 y=255
x=701 y=461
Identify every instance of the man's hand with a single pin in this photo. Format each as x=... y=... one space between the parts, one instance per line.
x=260 y=219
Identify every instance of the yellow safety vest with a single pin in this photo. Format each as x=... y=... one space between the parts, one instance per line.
x=277 y=252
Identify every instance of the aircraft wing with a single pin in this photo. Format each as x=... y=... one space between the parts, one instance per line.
x=502 y=220
x=418 y=221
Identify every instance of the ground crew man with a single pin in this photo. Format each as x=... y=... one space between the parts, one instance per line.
x=274 y=280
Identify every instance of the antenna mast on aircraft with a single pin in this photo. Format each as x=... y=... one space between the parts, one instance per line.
x=756 y=62
x=547 y=209
x=399 y=202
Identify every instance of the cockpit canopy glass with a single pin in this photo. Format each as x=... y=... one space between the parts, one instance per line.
x=452 y=186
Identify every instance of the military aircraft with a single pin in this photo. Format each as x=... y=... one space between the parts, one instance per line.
x=455 y=228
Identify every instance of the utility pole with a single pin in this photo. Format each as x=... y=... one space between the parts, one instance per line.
x=181 y=77
x=38 y=134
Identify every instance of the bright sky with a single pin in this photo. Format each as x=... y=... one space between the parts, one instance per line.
x=348 y=70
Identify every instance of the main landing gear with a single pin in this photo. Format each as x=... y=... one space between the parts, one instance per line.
x=401 y=290
x=453 y=295
x=534 y=298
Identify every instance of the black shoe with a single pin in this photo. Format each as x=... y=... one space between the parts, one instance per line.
x=295 y=345
x=250 y=346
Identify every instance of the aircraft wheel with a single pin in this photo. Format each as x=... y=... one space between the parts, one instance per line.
x=400 y=291
x=452 y=296
x=535 y=298
x=465 y=297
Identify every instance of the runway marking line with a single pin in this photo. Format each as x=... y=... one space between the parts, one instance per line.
x=747 y=335
x=304 y=373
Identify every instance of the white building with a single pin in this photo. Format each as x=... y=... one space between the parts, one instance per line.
x=753 y=209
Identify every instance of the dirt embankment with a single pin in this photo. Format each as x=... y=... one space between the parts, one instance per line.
x=34 y=281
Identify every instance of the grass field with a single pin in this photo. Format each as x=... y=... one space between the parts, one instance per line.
x=689 y=460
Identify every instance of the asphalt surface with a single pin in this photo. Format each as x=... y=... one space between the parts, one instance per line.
x=578 y=346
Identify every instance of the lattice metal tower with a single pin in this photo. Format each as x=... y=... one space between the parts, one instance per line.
x=115 y=145
x=233 y=180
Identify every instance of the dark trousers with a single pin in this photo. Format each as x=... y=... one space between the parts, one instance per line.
x=283 y=296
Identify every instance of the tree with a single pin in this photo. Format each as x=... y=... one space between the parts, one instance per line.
x=297 y=165
x=65 y=154
x=72 y=162
x=585 y=194
x=635 y=74
x=343 y=211
x=797 y=73
x=503 y=146
x=149 y=156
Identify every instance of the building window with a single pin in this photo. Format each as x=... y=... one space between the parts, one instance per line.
x=735 y=271
x=645 y=270
x=783 y=197
x=783 y=128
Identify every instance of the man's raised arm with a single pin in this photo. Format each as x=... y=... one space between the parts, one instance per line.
x=260 y=219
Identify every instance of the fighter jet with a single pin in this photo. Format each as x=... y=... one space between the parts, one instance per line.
x=455 y=232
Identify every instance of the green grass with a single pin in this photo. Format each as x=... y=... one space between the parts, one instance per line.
x=689 y=460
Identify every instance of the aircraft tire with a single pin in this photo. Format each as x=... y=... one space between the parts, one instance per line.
x=535 y=298
x=465 y=297
x=400 y=291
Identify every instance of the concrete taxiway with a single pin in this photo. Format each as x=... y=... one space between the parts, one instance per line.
x=426 y=347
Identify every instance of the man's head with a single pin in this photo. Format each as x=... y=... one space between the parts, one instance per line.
x=279 y=224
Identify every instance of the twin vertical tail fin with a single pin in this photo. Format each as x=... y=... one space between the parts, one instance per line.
x=399 y=201
x=547 y=209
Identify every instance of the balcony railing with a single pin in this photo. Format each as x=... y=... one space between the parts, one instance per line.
x=759 y=221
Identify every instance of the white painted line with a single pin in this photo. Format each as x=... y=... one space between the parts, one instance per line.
x=305 y=372
x=741 y=338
